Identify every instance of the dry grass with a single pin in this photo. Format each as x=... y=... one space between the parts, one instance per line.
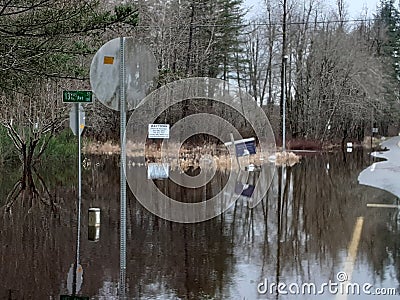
x=190 y=157
x=367 y=142
x=286 y=158
x=97 y=148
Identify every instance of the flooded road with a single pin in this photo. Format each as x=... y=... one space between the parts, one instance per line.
x=312 y=231
x=385 y=174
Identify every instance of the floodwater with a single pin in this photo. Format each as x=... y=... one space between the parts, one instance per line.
x=312 y=230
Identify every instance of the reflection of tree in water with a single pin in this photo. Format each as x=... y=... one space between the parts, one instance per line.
x=30 y=187
x=382 y=242
x=318 y=212
x=36 y=232
x=38 y=183
x=35 y=242
x=193 y=261
x=309 y=219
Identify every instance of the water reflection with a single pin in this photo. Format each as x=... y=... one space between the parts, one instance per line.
x=299 y=233
x=31 y=187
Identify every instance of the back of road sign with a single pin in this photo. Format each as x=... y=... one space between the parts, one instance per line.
x=72 y=119
x=141 y=72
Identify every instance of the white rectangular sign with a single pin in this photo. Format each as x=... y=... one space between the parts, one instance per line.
x=158 y=131
x=157 y=171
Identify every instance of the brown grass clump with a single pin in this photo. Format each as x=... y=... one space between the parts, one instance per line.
x=192 y=157
x=366 y=143
x=107 y=148
x=286 y=158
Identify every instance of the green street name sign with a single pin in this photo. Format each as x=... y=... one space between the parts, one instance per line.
x=77 y=96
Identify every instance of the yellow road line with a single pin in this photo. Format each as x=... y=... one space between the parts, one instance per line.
x=383 y=205
x=348 y=266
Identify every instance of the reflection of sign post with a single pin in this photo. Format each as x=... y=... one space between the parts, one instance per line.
x=158 y=131
x=74 y=284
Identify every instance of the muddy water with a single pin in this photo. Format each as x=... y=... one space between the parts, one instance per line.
x=300 y=233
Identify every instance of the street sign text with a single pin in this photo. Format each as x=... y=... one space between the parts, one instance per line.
x=77 y=96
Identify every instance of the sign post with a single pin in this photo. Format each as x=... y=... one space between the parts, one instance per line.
x=77 y=124
x=122 y=170
x=122 y=56
x=77 y=108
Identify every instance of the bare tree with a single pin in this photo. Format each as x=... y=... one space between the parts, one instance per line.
x=44 y=46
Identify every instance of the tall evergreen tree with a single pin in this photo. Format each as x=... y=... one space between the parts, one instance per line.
x=388 y=24
x=229 y=44
x=387 y=47
x=197 y=38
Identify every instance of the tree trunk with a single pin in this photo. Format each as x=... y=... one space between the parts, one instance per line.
x=27 y=155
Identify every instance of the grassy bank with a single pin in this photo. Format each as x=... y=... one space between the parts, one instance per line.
x=7 y=149
x=61 y=147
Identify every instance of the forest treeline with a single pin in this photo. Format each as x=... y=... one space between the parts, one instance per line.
x=340 y=76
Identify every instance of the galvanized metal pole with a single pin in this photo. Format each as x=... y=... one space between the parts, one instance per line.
x=122 y=289
x=78 y=117
x=78 y=236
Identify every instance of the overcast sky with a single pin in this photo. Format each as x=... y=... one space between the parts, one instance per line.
x=354 y=7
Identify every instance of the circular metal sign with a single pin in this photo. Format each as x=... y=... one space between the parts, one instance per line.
x=140 y=69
